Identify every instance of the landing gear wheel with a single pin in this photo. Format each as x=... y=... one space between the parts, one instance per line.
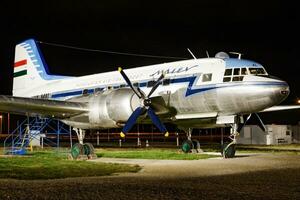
x=88 y=149
x=77 y=150
x=196 y=144
x=228 y=150
x=187 y=146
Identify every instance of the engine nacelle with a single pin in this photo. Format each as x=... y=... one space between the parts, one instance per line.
x=112 y=107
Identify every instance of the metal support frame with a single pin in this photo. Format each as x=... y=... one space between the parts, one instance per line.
x=189 y=133
x=58 y=134
x=233 y=132
x=80 y=134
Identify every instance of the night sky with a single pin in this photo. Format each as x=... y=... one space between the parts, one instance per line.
x=264 y=31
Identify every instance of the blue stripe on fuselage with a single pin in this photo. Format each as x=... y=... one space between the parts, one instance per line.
x=191 y=89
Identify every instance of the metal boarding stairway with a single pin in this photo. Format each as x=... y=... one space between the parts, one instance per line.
x=17 y=142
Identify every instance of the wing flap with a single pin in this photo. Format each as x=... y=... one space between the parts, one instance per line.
x=41 y=107
x=196 y=115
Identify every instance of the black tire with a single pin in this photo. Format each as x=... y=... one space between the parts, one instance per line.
x=196 y=144
x=88 y=149
x=187 y=146
x=228 y=150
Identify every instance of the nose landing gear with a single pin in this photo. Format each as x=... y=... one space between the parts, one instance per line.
x=228 y=148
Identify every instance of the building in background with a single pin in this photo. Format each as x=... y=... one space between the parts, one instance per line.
x=274 y=135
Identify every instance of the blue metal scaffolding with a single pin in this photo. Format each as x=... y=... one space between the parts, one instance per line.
x=17 y=142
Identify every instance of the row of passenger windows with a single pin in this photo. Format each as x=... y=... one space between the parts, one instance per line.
x=235 y=74
x=148 y=84
x=205 y=78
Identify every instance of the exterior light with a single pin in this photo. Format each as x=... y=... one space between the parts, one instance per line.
x=298 y=101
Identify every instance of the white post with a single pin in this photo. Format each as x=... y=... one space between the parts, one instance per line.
x=42 y=138
x=177 y=139
x=98 y=138
x=70 y=133
x=190 y=134
x=120 y=142
x=138 y=139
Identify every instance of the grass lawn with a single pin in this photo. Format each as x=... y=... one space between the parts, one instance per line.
x=166 y=154
x=51 y=165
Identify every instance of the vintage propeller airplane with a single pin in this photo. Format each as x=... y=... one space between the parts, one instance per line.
x=206 y=92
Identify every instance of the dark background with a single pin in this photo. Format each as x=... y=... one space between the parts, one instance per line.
x=264 y=31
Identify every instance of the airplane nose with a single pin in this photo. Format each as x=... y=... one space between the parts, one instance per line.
x=283 y=90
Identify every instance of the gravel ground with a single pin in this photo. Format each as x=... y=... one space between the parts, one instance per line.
x=255 y=176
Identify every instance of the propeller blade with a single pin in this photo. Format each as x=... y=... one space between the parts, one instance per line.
x=131 y=121
x=136 y=91
x=156 y=121
x=156 y=84
x=261 y=123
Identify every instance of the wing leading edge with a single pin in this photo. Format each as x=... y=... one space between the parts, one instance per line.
x=41 y=107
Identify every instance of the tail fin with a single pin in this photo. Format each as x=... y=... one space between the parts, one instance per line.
x=30 y=70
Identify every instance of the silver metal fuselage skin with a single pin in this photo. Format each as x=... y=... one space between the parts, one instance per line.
x=188 y=97
x=231 y=98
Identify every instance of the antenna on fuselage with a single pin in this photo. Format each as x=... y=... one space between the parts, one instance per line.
x=237 y=53
x=192 y=53
x=207 y=54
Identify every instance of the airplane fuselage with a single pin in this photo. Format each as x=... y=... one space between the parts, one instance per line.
x=208 y=87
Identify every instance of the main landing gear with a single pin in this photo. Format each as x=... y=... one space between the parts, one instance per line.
x=190 y=145
x=228 y=148
x=82 y=151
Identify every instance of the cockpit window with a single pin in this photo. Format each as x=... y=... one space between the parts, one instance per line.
x=236 y=71
x=237 y=78
x=257 y=71
x=244 y=71
x=228 y=72
x=237 y=75
x=206 y=77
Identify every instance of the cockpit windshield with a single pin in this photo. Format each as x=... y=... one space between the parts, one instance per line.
x=257 y=71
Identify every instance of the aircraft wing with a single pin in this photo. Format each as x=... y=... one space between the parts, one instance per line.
x=278 y=108
x=41 y=107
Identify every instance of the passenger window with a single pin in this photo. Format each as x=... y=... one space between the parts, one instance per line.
x=136 y=84
x=122 y=86
x=98 y=90
x=206 y=77
x=244 y=71
x=237 y=78
x=227 y=79
x=228 y=72
x=236 y=71
x=166 y=82
x=85 y=92
x=150 y=83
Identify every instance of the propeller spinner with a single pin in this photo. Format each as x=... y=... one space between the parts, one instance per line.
x=147 y=106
